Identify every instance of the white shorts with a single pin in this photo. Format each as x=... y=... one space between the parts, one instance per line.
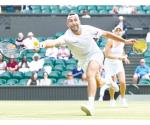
x=98 y=57
x=112 y=67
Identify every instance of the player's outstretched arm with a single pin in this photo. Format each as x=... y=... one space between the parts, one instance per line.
x=50 y=43
x=117 y=38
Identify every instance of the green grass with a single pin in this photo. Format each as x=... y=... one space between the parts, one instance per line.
x=63 y=110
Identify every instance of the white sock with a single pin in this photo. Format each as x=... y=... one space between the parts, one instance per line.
x=91 y=101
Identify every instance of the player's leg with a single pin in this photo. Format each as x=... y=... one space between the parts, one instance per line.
x=92 y=69
x=114 y=88
x=102 y=91
x=121 y=77
x=112 y=99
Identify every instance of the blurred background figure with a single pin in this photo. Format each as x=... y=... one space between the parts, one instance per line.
x=24 y=65
x=12 y=65
x=33 y=81
x=86 y=14
x=70 y=80
x=52 y=52
x=45 y=81
x=63 y=52
x=29 y=42
x=141 y=71
x=115 y=10
x=19 y=40
x=36 y=64
x=123 y=25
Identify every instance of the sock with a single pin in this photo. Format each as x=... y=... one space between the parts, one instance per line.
x=91 y=101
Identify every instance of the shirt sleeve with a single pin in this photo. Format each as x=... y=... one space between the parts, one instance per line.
x=96 y=32
x=61 y=39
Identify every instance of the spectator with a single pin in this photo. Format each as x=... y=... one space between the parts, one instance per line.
x=25 y=8
x=29 y=42
x=63 y=52
x=148 y=37
x=86 y=14
x=24 y=65
x=70 y=80
x=45 y=81
x=52 y=52
x=141 y=71
x=19 y=40
x=33 y=81
x=2 y=64
x=12 y=65
x=115 y=10
x=36 y=64
x=123 y=25
x=77 y=72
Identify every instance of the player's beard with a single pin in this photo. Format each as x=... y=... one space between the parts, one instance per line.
x=75 y=29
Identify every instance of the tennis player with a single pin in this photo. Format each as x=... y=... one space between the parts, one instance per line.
x=79 y=39
x=113 y=64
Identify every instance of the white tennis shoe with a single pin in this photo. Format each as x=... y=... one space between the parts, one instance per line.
x=88 y=110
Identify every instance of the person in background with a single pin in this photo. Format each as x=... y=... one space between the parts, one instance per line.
x=70 y=80
x=52 y=52
x=63 y=52
x=36 y=64
x=19 y=40
x=113 y=65
x=12 y=65
x=141 y=71
x=77 y=72
x=86 y=14
x=24 y=65
x=2 y=64
x=45 y=81
x=30 y=41
x=123 y=25
x=115 y=10
x=33 y=81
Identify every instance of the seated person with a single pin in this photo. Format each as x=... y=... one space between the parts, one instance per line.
x=12 y=65
x=2 y=64
x=77 y=72
x=29 y=42
x=45 y=81
x=70 y=80
x=33 y=81
x=52 y=52
x=63 y=52
x=24 y=65
x=36 y=64
x=141 y=71
x=19 y=40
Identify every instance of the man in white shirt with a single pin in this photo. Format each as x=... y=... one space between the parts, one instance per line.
x=29 y=42
x=79 y=39
x=36 y=64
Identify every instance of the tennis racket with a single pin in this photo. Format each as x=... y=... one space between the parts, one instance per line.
x=8 y=49
x=139 y=47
